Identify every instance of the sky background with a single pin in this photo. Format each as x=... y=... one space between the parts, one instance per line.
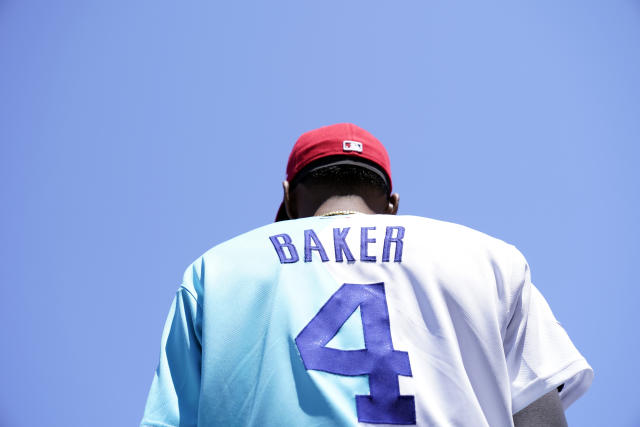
x=136 y=135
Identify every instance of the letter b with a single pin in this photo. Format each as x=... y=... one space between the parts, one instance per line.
x=286 y=243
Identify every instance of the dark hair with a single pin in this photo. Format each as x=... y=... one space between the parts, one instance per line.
x=344 y=179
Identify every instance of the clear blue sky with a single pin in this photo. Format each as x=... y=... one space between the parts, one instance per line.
x=136 y=135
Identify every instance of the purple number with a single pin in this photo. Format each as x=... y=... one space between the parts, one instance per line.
x=378 y=359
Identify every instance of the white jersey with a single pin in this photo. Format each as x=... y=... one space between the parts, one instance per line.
x=356 y=320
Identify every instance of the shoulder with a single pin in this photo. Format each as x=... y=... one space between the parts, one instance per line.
x=464 y=251
x=248 y=254
x=461 y=237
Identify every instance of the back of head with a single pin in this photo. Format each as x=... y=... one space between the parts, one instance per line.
x=341 y=160
x=343 y=180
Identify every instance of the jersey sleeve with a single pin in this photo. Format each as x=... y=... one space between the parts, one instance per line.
x=174 y=394
x=540 y=355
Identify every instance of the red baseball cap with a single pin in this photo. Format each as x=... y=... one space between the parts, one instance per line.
x=343 y=143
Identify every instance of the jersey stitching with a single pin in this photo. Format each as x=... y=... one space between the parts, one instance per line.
x=555 y=373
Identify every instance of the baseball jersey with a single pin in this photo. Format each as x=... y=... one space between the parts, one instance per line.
x=360 y=320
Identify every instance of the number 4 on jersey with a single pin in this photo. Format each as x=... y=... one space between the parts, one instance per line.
x=378 y=359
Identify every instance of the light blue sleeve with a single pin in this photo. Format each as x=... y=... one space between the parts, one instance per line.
x=175 y=390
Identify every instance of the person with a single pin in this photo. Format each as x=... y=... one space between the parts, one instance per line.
x=344 y=313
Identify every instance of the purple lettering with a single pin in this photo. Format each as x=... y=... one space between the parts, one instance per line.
x=286 y=243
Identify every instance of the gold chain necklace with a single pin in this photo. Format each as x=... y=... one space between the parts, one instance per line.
x=339 y=212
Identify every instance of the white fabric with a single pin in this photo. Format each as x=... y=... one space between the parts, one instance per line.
x=482 y=340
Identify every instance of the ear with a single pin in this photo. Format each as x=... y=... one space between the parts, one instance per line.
x=394 y=202
x=287 y=200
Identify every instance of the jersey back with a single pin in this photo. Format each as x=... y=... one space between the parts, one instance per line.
x=360 y=319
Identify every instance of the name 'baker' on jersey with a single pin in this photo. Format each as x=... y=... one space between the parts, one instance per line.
x=343 y=313
x=287 y=252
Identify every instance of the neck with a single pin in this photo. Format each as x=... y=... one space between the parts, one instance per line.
x=343 y=203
